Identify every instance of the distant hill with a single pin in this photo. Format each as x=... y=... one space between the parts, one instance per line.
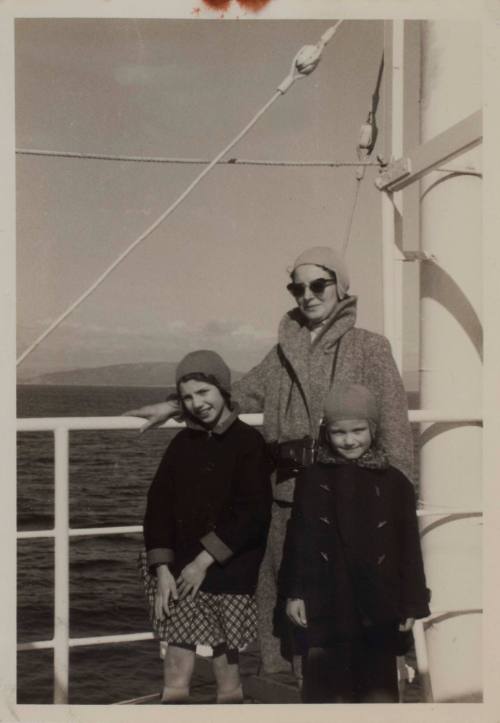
x=144 y=374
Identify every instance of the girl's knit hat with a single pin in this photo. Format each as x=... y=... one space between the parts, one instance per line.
x=208 y=363
x=353 y=401
x=330 y=259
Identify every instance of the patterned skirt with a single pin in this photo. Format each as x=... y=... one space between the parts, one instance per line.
x=210 y=619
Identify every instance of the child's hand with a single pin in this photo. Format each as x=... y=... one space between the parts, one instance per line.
x=407 y=625
x=166 y=592
x=193 y=574
x=296 y=611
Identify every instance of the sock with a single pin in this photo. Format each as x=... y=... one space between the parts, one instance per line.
x=174 y=695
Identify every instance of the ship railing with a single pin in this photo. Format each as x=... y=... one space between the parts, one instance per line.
x=61 y=533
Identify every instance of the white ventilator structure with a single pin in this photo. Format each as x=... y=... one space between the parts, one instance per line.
x=446 y=162
x=451 y=361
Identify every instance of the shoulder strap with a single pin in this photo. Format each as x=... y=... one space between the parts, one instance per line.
x=334 y=363
x=332 y=372
x=295 y=380
x=318 y=439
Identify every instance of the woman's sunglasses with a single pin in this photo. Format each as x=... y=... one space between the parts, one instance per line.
x=317 y=286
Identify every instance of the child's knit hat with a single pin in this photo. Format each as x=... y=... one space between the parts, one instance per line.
x=353 y=401
x=330 y=259
x=208 y=363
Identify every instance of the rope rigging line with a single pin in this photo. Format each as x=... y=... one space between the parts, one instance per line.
x=302 y=65
x=366 y=144
x=347 y=236
x=188 y=161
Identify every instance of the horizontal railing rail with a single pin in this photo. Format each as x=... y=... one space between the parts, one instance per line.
x=40 y=424
x=89 y=640
x=62 y=532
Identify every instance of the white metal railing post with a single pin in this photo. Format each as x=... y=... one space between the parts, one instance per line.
x=422 y=659
x=391 y=279
x=61 y=567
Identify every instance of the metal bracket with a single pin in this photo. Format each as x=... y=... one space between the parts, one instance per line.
x=434 y=153
x=395 y=171
x=418 y=256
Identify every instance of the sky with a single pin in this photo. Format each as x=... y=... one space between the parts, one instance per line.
x=214 y=273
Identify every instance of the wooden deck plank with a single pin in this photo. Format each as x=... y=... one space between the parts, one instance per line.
x=270 y=689
x=278 y=688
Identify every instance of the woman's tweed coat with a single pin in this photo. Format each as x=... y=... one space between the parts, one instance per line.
x=289 y=387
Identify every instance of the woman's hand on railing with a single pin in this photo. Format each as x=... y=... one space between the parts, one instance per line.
x=166 y=592
x=155 y=414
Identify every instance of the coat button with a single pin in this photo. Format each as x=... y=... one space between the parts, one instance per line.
x=324 y=556
x=325 y=487
x=325 y=520
x=381 y=523
x=381 y=559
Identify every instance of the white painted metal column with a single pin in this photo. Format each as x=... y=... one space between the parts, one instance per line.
x=392 y=280
x=451 y=356
x=61 y=573
x=392 y=258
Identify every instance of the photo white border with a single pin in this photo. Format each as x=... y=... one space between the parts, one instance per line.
x=488 y=12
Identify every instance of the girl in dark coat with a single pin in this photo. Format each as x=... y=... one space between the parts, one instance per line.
x=352 y=571
x=205 y=530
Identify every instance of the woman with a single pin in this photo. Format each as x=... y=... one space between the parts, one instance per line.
x=318 y=347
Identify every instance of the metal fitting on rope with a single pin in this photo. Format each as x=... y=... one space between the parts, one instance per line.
x=307 y=59
x=362 y=156
x=366 y=136
x=365 y=144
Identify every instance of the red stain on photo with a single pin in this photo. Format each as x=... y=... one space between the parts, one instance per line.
x=254 y=5
x=218 y=4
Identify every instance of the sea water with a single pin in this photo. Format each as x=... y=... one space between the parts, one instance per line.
x=110 y=472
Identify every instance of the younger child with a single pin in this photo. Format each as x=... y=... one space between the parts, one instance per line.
x=205 y=529
x=352 y=569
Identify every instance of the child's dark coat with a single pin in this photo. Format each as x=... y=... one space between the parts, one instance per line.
x=352 y=551
x=212 y=491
